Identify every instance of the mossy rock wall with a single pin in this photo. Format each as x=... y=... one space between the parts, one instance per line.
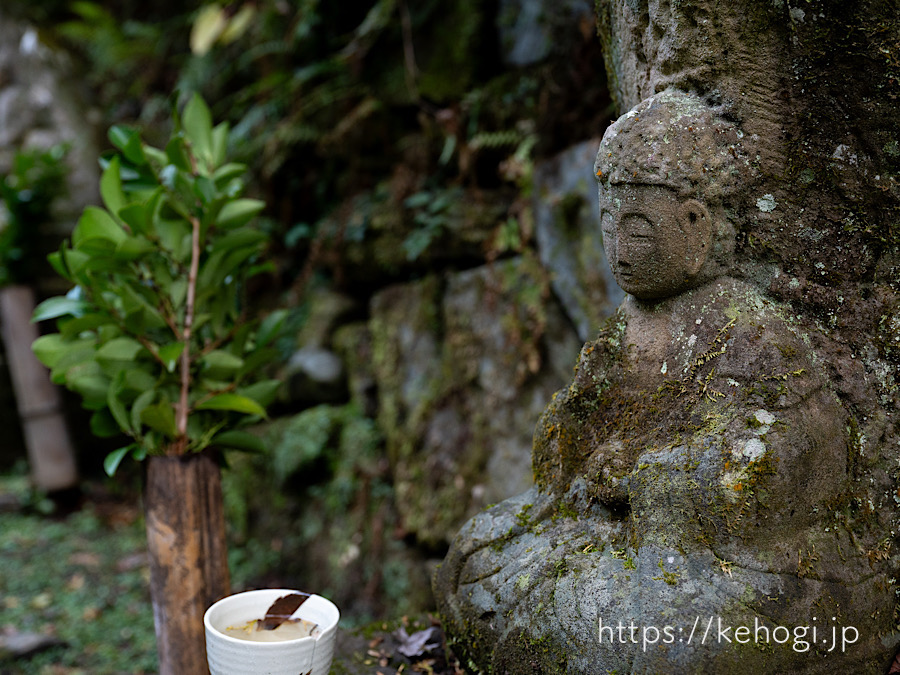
x=463 y=364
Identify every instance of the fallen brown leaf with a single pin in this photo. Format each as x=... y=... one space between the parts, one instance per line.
x=76 y=582
x=132 y=562
x=84 y=558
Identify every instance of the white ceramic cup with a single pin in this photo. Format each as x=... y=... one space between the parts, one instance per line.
x=232 y=656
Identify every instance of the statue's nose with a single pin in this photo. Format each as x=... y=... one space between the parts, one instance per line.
x=623 y=259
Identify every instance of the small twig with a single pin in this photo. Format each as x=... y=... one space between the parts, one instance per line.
x=182 y=419
x=150 y=347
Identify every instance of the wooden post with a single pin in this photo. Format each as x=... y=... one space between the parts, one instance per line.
x=50 y=453
x=188 y=555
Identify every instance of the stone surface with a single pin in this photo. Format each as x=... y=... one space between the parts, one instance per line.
x=720 y=452
x=353 y=343
x=569 y=238
x=463 y=367
x=314 y=375
x=328 y=310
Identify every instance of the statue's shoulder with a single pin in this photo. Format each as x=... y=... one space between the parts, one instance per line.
x=753 y=340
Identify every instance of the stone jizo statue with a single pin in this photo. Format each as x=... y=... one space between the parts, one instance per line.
x=694 y=478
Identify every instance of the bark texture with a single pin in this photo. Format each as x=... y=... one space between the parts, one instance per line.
x=188 y=555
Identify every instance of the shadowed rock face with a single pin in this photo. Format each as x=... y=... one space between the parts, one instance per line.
x=700 y=469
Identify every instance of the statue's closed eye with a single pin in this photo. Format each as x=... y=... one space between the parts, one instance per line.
x=636 y=226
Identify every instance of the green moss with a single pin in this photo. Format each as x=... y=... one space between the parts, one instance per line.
x=522 y=517
x=65 y=577
x=563 y=509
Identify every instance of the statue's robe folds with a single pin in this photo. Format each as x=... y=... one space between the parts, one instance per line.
x=696 y=477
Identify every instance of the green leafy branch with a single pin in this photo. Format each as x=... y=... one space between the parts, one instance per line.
x=155 y=334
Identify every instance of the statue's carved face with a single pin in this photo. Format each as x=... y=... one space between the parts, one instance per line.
x=655 y=242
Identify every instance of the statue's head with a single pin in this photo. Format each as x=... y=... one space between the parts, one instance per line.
x=666 y=171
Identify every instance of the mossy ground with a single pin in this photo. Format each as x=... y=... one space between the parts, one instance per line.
x=82 y=579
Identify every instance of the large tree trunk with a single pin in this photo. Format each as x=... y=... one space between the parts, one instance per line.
x=50 y=453
x=188 y=555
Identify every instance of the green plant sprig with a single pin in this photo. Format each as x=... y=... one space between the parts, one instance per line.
x=155 y=334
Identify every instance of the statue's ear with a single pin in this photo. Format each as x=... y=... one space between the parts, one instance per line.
x=694 y=221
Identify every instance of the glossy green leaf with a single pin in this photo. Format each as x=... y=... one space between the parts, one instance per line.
x=120 y=135
x=228 y=171
x=172 y=234
x=205 y=190
x=262 y=392
x=122 y=349
x=233 y=402
x=72 y=328
x=59 y=306
x=161 y=417
x=257 y=359
x=113 y=459
x=239 y=440
x=115 y=404
x=138 y=379
x=74 y=261
x=267 y=267
x=179 y=158
x=88 y=380
x=128 y=140
x=238 y=212
x=75 y=355
x=111 y=186
x=58 y=264
x=178 y=292
x=156 y=157
x=95 y=223
x=197 y=122
x=170 y=354
x=139 y=405
x=241 y=238
x=133 y=248
x=219 y=144
x=137 y=216
x=49 y=349
x=240 y=337
x=219 y=364
x=133 y=257
x=218 y=267
x=270 y=327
